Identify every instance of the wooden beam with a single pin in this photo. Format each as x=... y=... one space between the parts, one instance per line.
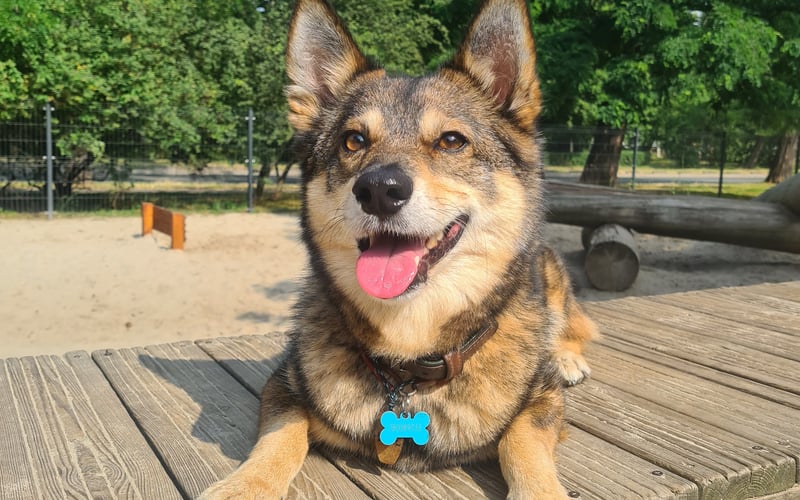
x=746 y=223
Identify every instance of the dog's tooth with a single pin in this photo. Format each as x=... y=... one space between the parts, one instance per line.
x=431 y=243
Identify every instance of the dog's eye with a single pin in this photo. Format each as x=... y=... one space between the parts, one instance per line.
x=354 y=141
x=451 y=141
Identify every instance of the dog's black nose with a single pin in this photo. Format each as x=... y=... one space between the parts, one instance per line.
x=383 y=191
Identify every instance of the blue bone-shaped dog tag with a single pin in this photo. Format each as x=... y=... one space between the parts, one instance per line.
x=404 y=426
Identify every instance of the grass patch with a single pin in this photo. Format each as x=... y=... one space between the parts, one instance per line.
x=288 y=200
x=745 y=191
x=662 y=171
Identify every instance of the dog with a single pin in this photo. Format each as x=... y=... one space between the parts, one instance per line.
x=434 y=327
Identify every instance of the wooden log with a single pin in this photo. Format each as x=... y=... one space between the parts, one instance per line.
x=746 y=223
x=787 y=193
x=612 y=261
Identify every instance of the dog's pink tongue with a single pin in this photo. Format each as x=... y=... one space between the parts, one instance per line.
x=387 y=268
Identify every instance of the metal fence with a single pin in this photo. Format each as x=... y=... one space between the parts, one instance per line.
x=45 y=166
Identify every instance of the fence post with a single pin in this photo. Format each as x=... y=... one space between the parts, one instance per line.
x=722 y=158
x=635 y=149
x=250 y=119
x=48 y=108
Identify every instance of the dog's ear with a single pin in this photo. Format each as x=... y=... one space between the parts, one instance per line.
x=321 y=58
x=498 y=52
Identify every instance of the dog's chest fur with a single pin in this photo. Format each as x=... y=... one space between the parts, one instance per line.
x=346 y=399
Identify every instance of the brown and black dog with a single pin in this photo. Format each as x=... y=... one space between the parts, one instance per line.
x=434 y=327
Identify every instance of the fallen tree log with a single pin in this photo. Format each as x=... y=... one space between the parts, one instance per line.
x=746 y=223
x=612 y=261
x=787 y=193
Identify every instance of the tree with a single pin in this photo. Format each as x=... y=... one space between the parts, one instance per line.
x=739 y=63
x=598 y=62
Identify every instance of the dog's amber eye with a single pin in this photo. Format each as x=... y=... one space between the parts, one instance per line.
x=451 y=141
x=354 y=141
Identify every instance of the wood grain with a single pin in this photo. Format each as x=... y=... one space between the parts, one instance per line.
x=721 y=464
x=201 y=420
x=683 y=339
x=767 y=424
x=66 y=434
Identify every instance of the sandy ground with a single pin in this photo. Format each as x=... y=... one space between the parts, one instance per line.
x=91 y=283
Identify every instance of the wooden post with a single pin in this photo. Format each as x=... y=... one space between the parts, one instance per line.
x=147 y=218
x=612 y=261
x=178 y=231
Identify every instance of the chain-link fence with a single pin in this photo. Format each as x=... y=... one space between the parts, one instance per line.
x=113 y=169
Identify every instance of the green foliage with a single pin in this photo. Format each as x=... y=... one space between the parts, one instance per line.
x=396 y=33
x=182 y=73
x=80 y=142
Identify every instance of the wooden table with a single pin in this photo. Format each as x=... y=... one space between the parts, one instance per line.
x=693 y=395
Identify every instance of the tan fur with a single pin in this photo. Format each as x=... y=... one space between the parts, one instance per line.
x=281 y=448
x=527 y=459
x=508 y=403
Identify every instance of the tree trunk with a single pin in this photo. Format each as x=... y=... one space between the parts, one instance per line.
x=603 y=161
x=784 y=163
x=755 y=153
x=263 y=174
x=70 y=172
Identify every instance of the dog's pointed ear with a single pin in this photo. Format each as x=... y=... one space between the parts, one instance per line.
x=498 y=52
x=321 y=58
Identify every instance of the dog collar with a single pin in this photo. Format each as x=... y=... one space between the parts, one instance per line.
x=430 y=371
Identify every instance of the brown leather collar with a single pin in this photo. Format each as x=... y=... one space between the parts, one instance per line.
x=431 y=371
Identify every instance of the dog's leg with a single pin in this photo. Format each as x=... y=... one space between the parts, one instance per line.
x=278 y=454
x=527 y=458
x=576 y=328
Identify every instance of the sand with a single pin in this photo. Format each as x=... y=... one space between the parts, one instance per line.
x=93 y=283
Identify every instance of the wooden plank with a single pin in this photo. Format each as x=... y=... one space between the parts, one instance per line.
x=250 y=359
x=743 y=307
x=723 y=465
x=790 y=494
x=680 y=314
x=162 y=220
x=66 y=434
x=620 y=320
x=784 y=398
x=201 y=420
x=588 y=466
x=786 y=290
x=767 y=424
x=593 y=468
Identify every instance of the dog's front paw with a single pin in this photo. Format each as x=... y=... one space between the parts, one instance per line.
x=240 y=488
x=572 y=366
